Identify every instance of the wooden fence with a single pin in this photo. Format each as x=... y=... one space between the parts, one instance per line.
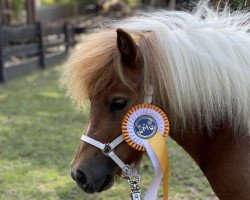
x=32 y=47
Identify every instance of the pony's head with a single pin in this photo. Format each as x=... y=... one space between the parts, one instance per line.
x=108 y=72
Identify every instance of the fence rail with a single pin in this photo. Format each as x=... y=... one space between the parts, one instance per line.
x=35 y=46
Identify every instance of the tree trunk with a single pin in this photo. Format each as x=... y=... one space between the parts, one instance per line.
x=172 y=5
x=30 y=9
x=158 y=3
x=4 y=12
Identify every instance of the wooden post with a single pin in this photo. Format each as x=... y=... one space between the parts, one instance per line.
x=1 y=12
x=2 y=69
x=67 y=36
x=42 y=51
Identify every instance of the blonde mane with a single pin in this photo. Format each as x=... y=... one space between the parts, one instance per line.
x=197 y=63
x=90 y=68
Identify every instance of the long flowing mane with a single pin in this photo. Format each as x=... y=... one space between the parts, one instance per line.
x=198 y=64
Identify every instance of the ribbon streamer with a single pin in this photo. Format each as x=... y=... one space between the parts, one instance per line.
x=144 y=128
x=158 y=144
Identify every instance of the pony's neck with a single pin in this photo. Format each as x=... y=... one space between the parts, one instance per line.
x=223 y=157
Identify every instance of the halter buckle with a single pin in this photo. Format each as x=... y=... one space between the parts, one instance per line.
x=107 y=149
x=127 y=171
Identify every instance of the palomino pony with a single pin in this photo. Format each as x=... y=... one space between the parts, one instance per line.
x=198 y=66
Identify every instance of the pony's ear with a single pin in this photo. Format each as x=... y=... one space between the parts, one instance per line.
x=128 y=48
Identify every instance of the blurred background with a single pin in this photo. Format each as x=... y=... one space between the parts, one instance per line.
x=39 y=128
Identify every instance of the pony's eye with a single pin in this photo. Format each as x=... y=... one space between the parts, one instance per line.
x=118 y=104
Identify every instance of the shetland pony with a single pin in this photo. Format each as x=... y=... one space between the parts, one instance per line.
x=198 y=65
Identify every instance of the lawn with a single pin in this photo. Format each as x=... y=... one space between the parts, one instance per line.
x=39 y=133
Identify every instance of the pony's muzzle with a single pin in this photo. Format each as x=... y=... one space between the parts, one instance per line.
x=89 y=183
x=84 y=182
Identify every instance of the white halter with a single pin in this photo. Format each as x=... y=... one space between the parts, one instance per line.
x=108 y=150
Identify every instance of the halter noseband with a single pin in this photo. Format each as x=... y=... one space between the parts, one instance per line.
x=108 y=150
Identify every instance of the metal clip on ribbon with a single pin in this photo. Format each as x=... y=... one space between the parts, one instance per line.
x=135 y=188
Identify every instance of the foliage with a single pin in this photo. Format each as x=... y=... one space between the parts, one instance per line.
x=39 y=133
x=51 y=2
x=18 y=6
x=240 y=2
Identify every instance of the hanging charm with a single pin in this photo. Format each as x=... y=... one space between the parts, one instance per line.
x=145 y=128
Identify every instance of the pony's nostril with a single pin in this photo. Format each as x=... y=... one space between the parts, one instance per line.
x=80 y=177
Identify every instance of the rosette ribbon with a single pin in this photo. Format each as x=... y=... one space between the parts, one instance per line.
x=145 y=128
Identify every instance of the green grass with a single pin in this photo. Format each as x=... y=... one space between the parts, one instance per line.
x=39 y=133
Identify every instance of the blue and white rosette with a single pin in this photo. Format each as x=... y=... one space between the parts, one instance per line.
x=145 y=128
